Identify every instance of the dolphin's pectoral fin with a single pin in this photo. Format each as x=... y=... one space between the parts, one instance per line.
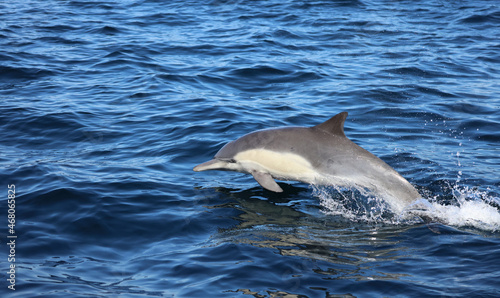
x=266 y=180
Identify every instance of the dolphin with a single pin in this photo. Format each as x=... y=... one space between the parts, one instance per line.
x=320 y=155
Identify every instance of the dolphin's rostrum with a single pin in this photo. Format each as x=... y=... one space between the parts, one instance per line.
x=321 y=154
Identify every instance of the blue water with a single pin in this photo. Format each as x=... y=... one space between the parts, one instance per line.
x=106 y=106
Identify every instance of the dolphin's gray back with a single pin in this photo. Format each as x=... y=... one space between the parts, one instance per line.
x=324 y=151
x=331 y=154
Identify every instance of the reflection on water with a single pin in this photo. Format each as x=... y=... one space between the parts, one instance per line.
x=327 y=245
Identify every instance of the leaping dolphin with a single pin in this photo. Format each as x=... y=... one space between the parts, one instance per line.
x=321 y=155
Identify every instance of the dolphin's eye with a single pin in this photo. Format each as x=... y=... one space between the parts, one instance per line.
x=231 y=160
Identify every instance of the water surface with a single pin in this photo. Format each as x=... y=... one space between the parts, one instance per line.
x=106 y=106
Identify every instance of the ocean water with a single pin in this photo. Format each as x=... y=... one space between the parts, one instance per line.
x=106 y=106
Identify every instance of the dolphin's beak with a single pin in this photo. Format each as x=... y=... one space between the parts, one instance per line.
x=213 y=164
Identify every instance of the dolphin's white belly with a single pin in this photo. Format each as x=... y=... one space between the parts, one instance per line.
x=281 y=165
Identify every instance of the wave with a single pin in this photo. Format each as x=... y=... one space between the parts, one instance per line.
x=493 y=17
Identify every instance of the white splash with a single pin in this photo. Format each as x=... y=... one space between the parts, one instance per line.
x=471 y=208
x=352 y=204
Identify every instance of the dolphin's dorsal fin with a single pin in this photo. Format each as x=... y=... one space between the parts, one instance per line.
x=334 y=125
